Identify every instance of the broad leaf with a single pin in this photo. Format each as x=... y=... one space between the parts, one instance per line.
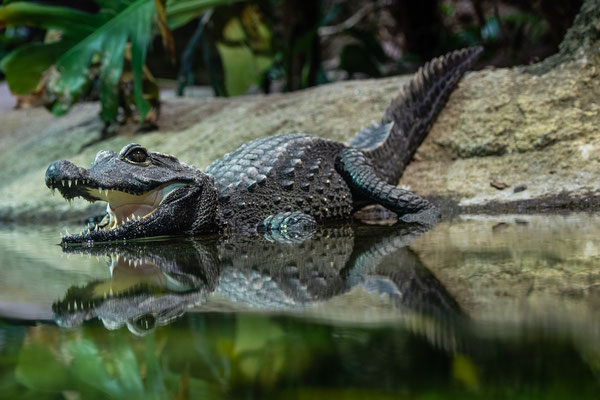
x=242 y=67
x=180 y=12
x=54 y=376
x=85 y=35
x=63 y=19
x=133 y=23
x=91 y=45
x=24 y=67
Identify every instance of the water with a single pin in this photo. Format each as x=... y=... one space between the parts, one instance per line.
x=477 y=307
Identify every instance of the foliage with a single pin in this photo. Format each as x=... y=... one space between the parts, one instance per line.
x=237 y=355
x=90 y=45
x=238 y=40
x=239 y=44
x=244 y=49
x=510 y=30
x=84 y=36
x=363 y=56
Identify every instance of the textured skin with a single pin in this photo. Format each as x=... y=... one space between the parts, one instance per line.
x=253 y=272
x=356 y=167
x=282 y=173
x=411 y=114
x=281 y=185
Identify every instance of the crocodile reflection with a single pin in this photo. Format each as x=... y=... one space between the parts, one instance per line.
x=152 y=283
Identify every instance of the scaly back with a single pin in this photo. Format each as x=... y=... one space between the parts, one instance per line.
x=391 y=144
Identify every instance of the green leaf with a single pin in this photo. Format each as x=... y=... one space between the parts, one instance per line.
x=180 y=12
x=86 y=35
x=54 y=377
x=234 y=31
x=133 y=23
x=155 y=381
x=88 y=367
x=140 y=37
x=110 y=74
x=127 y=369
x=64 y=19
x=242 y=67
x=24 y=67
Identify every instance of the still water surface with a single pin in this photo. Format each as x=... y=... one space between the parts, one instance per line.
x=477 y=307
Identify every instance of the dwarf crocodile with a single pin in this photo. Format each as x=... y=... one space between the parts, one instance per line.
x=280 y=185
x=153 y=283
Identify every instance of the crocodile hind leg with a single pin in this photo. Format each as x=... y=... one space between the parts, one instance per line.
x=365 y=184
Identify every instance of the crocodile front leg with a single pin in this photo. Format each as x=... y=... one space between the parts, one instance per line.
x=364 y=183
x=288 y=227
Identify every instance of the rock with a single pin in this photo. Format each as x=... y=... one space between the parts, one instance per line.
x=535 y=126
x=518 y=267
x=196 y=131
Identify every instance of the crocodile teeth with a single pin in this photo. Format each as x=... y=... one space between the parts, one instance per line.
x=75 y=182
x=69 y=181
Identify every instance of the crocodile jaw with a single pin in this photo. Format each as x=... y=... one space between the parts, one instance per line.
x=125 y=213
x=125 y=207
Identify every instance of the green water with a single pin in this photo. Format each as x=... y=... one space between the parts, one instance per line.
x=478 y=307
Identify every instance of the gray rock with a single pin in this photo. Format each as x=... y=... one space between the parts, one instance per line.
x=534 y=126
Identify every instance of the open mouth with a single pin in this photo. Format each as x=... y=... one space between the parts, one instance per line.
x=124 y=208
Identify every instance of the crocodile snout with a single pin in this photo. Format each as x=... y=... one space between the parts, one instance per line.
x=62 y=170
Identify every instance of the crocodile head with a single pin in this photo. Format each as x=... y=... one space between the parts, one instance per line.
x=148 y=194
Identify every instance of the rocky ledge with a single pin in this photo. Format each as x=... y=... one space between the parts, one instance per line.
x=518 y=139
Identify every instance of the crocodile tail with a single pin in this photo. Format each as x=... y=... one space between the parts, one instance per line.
x=391 y=144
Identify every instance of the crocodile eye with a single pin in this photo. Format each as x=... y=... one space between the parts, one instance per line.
x=137 y=156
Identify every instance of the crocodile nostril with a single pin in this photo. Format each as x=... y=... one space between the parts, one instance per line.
x=52 y=173
x=61 y=170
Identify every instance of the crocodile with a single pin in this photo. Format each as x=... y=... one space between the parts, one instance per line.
x=154 y=283
x=281 y=186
